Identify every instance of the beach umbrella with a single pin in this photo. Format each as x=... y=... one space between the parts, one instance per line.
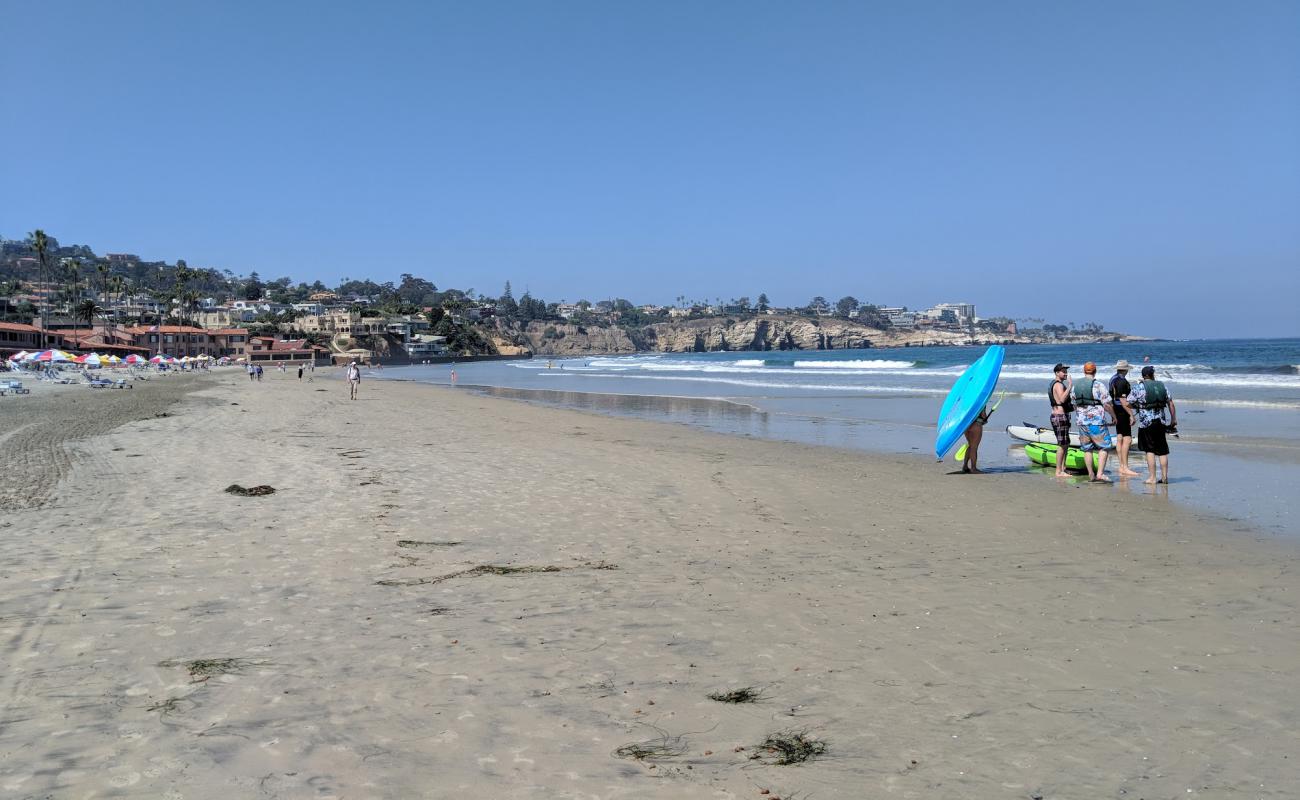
x=133 y=359
x=113 y=360
x=159 y=359
x=91 y=360
x=19 y=356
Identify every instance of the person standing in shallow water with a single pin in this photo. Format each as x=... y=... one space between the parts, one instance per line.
x=1091 y=404
x=1151 y=405
x=1058 y=395
x=1119 y=390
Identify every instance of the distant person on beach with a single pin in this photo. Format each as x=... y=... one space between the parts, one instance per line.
x=1058 y=396
x=259 y=373
x=1119 y=390
x=1091 y=405
x=970 y=464
x=1150 y=403
x=300 y=372
x=252 y=373
x=354 y=378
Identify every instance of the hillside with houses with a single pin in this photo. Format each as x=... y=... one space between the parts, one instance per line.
x=53 y=295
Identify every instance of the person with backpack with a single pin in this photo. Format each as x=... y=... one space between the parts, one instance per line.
x=1058 y=397
x=1151 y=405
x=1119 y=389
x=1091 y=405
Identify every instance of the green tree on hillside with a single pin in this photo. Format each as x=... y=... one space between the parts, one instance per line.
x=41 y=243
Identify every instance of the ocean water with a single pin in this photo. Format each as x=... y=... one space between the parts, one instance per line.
x=1238 y=454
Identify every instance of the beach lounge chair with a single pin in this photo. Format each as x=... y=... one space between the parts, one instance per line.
x=14 y=387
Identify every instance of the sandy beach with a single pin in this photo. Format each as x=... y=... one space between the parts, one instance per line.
x=452 y=596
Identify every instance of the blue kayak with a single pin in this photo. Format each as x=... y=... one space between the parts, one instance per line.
x=967 y=398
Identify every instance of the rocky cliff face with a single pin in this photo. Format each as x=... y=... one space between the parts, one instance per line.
x=551 y=339
x=754 y=333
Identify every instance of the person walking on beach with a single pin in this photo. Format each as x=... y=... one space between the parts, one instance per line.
x=259 y=373
x=1091 y=405
x=1119 y=390
x=252 y=373
x=1149 y=402
x=354 y=378
x=300 y=373
x=1058 y=395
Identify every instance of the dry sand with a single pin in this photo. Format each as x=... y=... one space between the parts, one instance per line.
x=940 y=641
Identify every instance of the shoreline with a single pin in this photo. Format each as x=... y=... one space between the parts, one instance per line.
x=939 y=641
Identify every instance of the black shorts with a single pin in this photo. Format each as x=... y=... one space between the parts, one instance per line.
x=1151 y=439
x=1123 y=424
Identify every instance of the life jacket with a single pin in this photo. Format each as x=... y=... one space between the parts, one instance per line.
x=1065 y=404
x=1157 y=396
x=1082 y=395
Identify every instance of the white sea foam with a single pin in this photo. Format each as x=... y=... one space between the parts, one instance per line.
x=870 y=364
x=759 y=384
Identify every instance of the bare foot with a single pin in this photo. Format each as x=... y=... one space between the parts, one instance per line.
x=1128 y=473
x=974 y=471
x=1101 y=479
x=1151 y=481
x=1062 y=475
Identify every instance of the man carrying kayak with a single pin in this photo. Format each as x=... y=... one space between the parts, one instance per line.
x=1091 y=404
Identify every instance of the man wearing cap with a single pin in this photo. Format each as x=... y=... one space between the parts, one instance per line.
x=1058 y=396
x=1091 y=403
x=1119 y=389
x=354 y=378
x=1149 y=402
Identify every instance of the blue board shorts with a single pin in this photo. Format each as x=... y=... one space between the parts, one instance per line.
x=1094 y=437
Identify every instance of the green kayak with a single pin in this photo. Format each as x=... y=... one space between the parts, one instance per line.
x=1045 y=454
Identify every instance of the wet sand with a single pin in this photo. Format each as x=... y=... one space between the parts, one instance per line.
x=451 y=595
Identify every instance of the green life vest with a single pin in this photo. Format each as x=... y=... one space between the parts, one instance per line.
x=1157 y=396
x=1082 y=394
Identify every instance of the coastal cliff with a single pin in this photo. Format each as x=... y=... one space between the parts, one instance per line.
x=749 y=334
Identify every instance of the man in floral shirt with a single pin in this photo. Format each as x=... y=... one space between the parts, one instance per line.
x=1091 y=405
x=1150 y=404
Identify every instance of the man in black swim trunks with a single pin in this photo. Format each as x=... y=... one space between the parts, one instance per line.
x=1119 y=389
x=1059 y=396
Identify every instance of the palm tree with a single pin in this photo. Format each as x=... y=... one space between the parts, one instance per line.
x=40 y=243
x=73 y=271
x=102 y=269
x=87 y=309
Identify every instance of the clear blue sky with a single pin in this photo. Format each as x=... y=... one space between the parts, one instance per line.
x=1050 y=159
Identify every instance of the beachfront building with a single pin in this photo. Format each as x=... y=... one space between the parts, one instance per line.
x=229 y=342
x=268 y=349
x=172 y=340
x=16 y=337
x=105 y=339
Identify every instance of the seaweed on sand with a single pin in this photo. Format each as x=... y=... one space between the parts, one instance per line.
x=250 y=491
x=661 y=747
x=203 y=668
x=488 y=569
x=788 y=747
x=747 y=694
x=417 y=543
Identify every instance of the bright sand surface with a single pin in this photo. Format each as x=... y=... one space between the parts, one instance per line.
x=997 y=636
